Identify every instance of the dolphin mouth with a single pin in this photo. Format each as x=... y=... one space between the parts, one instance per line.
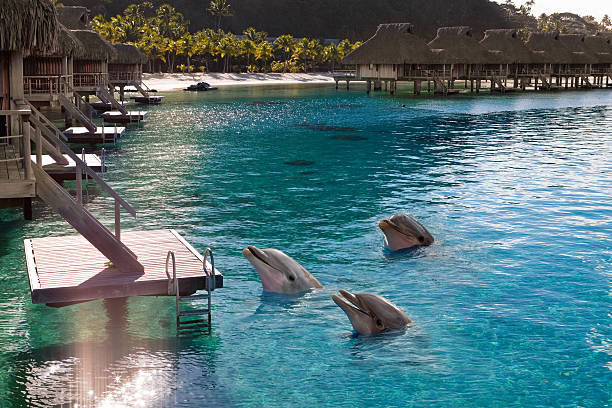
x=259 y=255
x=346 y=306
x=390 y=224
x=387 y=223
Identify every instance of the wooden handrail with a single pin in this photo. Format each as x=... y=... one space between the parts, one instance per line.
x=64 y=148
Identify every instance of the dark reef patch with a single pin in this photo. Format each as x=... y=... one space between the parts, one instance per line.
x=348 y=137
x=300 y=163
x=321 y=127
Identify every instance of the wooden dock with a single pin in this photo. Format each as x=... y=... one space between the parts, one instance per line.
x=128 y=117
x=106 y=106
x=68 y=172
x=106 y=134
x=67 y=270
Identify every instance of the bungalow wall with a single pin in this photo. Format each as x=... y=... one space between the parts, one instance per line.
x=125 y=72
x=379 y=71
x=90 y=74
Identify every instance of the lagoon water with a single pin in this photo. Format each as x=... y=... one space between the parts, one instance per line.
x=512 y=303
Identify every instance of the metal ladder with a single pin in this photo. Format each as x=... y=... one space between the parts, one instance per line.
x=185 y=324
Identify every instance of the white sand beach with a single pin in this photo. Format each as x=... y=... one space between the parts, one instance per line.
x=169 y=82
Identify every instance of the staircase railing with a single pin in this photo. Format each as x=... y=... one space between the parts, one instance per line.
x=57 y=138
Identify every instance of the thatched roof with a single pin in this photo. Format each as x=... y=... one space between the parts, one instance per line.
x=73 y=18
x=575 y=45
x=547 y=49
x=67 y=44
x=128 y=54
x=599 y=46
x=27 y=25
x=96 y=47
x=461 y=44
x=507 y=42
x=393 y=44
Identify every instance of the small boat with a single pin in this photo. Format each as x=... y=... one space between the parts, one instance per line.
x=201 y=86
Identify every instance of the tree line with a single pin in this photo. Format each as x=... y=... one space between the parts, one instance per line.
x=162 y=35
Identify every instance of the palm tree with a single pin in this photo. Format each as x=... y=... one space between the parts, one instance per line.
x=248 y=47
x=332 y=54
x=220 y=8
x=264 y=52
x=286 y=43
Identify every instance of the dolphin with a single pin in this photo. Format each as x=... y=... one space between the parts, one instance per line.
x=402 y=231
x=370 y=313
x=279 y=272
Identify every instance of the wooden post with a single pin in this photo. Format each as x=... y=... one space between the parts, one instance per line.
x=79 y=184
x=27 y=209
x=368 y=86
x=471 y=85
x=27 y=151
x=117 y=220
x=417 y=87
x=39 y=148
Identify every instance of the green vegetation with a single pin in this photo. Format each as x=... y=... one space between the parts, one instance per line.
x=522 y=18
x=162 y=35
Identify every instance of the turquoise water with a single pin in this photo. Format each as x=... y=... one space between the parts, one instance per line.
x=512 y=303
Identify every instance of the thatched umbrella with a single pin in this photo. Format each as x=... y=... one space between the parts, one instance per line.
x=73 y=18
x=393 y=44
x=507 y=42
x=599 y=46
x=128 y=54
x=28 y=25
x=461 y=44
x=96 y=47
x=547 y=48
x=578 y=50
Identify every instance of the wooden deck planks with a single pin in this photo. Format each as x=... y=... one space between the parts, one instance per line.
x=70 y=269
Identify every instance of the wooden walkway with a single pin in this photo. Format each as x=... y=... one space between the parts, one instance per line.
x=118 y=117
x=66 y=270
x=106 y=134
x=68 y=172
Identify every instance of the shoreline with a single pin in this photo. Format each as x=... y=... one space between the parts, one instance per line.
x=178 y=81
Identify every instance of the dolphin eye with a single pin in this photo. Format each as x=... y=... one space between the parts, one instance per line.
x=379 y=323
x=421 y=239
x=291 y=278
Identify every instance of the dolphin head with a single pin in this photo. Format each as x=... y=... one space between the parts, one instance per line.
x=279 y=272
x=370 y=313
x=402 y=231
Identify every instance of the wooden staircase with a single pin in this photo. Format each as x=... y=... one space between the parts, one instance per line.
x=104 y=95
x=77 y=113
x=47 y=138
x=499 y=83
x=140 y=89
x=439 y=85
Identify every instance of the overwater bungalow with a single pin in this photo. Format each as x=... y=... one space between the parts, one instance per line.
x=582 y=59
x=507 y=43
x=125 y=69
x=550 y=58
x=601 y=48
x=473 y=62
x=395 y=54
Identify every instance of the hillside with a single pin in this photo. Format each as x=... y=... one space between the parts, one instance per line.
x=356 y=19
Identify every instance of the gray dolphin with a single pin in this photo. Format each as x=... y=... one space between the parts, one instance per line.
x=402 y=231
x=279 y=272
x=370 y=313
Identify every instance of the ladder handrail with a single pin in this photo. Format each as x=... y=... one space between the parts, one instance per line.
x=211 y=275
